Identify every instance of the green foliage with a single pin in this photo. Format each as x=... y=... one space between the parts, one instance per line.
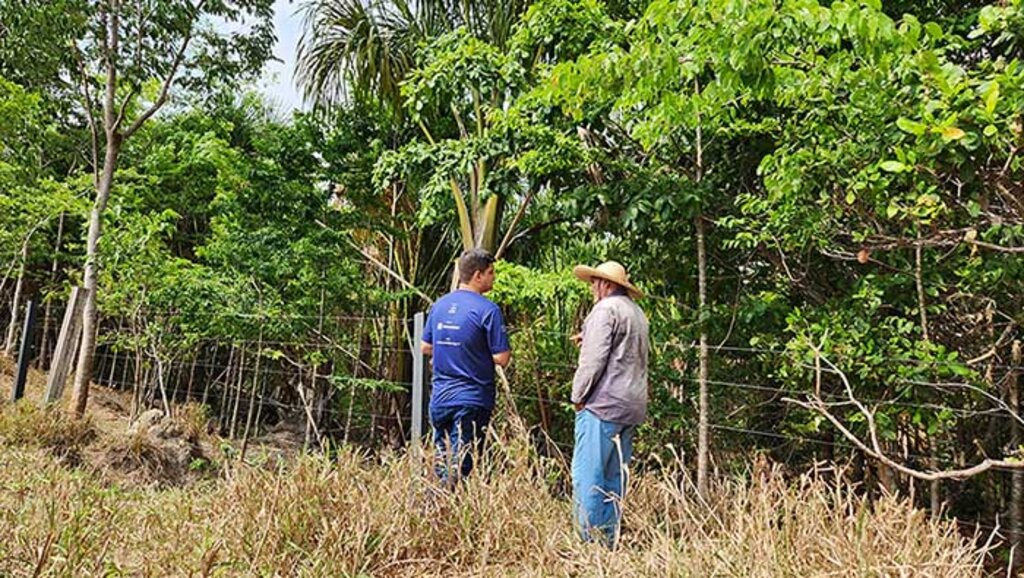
x=559 y=30
x=856 y=169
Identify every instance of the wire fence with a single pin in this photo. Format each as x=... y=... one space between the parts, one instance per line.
x=337 y=360
x=348 y=379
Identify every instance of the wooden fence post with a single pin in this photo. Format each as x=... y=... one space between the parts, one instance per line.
x=67 y=345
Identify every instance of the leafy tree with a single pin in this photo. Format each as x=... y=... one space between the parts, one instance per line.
x=143 y=50
x=30 y=197
x=365 y=48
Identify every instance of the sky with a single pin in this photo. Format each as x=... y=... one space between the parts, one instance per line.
x=278 y=82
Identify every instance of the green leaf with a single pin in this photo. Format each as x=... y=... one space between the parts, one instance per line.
x=952 y=133
x=988 y=19
x=893 y=167
x=960 y=370
x=933 y=30
x=910 y=126
x=992 y=97
x=850 y=198
x=990 y=130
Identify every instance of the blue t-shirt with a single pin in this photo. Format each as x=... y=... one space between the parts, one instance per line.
x=466 y=329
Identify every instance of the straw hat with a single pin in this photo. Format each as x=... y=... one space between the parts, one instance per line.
x=610 y=271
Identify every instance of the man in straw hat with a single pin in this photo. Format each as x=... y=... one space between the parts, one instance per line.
x=609 y=392
x=465 y=334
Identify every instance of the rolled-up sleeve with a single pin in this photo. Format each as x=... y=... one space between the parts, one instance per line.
x=497 y=336
x=428 y=328
x=598 y=330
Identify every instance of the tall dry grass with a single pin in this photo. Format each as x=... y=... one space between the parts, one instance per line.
x=356 y=515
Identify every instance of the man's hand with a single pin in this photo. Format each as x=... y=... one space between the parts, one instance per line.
x=578 y=406
x=577 y=339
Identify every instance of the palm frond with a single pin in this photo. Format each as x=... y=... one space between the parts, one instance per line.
x=366 y=47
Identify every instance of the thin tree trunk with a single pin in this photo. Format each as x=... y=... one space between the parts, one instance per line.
x=176 y=380
x=238 y=393
x=113 y=369
x=365 y=353
x=259 y=401
x=252 y=395
x=160 y=382
x=348 y=414
x=124 y=372
x=935 y=488
x=921 y=302
x=1017 y=488
x=373 y=426
x=320 y=331
x=308 y=437
x=226 y=390
x=191 y=378
x=992 y=491
x=542 y=408
x=83 y=372
x=113 y=359
x=12 y=329
x=208 y=371
x=103 y=182
x=101 y=366
x=138 y=394
x=44 y=352
x=702 y=299
x=136 y=377
x=703 y=423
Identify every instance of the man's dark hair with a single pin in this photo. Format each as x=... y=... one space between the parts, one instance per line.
x=472 y=261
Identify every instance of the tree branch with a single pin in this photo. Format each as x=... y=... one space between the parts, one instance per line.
x=90 y=106
x=947 y=238
x=816 y=404
x=465 y=223
x=993 y=247
x=405 y=283
x=169 y=79
x=124 y=106
x=539 y=227
x=512 y=227
x=110 y=46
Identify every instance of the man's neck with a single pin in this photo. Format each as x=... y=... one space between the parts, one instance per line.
x=614 y=292
x=468 y=287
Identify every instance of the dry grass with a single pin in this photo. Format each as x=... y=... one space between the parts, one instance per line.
x=26 y=424
x=88 y=499
x=361 y=516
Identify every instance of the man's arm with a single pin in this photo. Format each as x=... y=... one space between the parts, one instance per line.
x=427 y=343
x=502 y=359
x=594 y=351
x=497 y=338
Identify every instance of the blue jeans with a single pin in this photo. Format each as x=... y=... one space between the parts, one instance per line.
x=600 y=461
x=456 y=431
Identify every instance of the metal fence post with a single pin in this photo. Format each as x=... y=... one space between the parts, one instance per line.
x=28 y=336
x=417 y=378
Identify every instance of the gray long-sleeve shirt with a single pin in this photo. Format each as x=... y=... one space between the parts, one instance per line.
x=611 y=380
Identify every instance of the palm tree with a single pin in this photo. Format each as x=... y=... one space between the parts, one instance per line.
x=365 y=48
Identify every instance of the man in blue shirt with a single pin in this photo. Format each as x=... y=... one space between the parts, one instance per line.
x=465 y=334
